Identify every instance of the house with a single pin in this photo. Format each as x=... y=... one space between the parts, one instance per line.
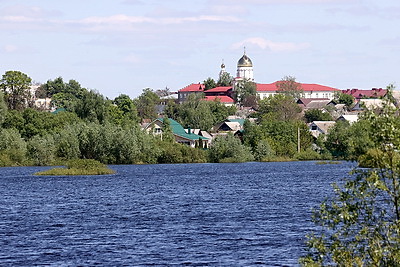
x=351 y=118
x=43 y=103
x=314 y=91
x=181 y=136
x=359 y=94
x=245 y=72
x=313 y=103
x=220 y=91
x=226 y=100
x=370 y=103
x=222 y=94
x=200 y=132
x=184 y=93
x=320 y=127
x=229 y=125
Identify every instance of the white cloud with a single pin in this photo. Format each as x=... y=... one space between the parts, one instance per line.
x=271 y=45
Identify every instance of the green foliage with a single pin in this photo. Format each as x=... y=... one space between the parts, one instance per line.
x=64 y=95
x=3 y=108
x=263 y=151
x=317 y=115
x=124 y=111
x=229 y=149
x=80 y=167
x=92 y=107
x=196 y=113
x=209 y=84
x=346 y=99
x=41 y=150
x=349 y=142
x=35 y=123
x=243 y=90
x=284 y=136
x=338 y=140
x=67 y=143
x=13 y=148
x=359 y=226
x=308 y=154
x=225 y=79
x=289 y=87
x=281 y=136
x=15 y=86
x=179 y=153
x=56 y=86
x=167 y=134
x=279 y=107
x=146 y=104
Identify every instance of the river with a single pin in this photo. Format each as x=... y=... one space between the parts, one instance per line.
x=163 y=215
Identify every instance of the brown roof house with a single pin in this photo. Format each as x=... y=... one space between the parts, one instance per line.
x=320 y=127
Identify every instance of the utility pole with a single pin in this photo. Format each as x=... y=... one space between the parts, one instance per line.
x=298 y=139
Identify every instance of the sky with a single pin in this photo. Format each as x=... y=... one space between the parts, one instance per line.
x=123 y=46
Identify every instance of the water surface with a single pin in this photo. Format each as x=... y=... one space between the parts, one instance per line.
x=163 y=215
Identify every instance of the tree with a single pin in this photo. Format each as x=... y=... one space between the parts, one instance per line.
x=64 y=95
x=245 y=89
x=288 y=86
x=127 y=107
x=163 y=92
x=92 y=107
x=209 y=84
x=225 y=79
x=146 y=104
x=229 y=149
x=346 y=99
x=16 y=88
x=196 y=113
x=167 y=134
x=3 y=108
x=12 y=148
x=279 y=107
x=338 y=140
x=359 y=225
x=317 y=115
x=41 y=150
x=263 y=151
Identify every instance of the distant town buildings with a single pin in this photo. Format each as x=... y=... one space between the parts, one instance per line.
x=245 y=71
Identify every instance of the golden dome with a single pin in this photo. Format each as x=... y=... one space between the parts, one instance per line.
x=245 y=61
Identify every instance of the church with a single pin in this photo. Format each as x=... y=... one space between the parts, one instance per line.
x=245 y=71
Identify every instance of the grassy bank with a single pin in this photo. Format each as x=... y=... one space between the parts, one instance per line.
x=79 y=167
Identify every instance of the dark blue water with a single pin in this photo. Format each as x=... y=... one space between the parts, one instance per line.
x=163 y=215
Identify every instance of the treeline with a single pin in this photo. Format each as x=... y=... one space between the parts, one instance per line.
x=89 y=126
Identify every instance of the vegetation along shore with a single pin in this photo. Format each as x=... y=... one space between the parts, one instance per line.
x=82 y=124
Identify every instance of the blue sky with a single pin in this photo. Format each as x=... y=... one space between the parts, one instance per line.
x=124 y=46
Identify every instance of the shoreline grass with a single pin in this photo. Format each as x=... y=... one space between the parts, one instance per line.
x=79 y=167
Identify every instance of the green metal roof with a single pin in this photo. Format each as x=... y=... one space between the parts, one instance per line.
x=178 y=129
x=240 y=121
x=58 y=110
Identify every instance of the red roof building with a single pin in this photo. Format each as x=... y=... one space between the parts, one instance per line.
x=359 y=94
x=223 y=99
x=316 y=91
x=190 y=89
x=310 y=90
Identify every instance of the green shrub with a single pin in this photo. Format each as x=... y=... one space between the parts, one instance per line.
x=308 y=154
x=80 y=167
